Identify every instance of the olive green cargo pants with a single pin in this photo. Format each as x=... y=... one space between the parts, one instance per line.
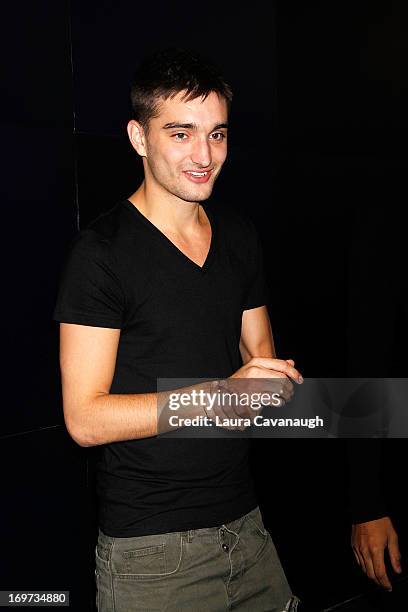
x=231 y=567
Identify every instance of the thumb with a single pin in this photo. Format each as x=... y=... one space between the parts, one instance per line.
x=292 y=363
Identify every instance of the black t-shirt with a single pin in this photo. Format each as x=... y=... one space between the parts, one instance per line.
x=177 y=319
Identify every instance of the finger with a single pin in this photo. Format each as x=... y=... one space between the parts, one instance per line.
x=361 y=560
x=280 y=365
x=279 y=400
x=280 y=390
x=357 y=558
x=289 y=371
x=243 y=411
x=226 y=407
x=291 y=362
x=285 y=394
x=288 y=386
x=287 y=390
x=395 y=556
x=236 y=410
x=370 y=567
x=221 y=409
x=380 y=571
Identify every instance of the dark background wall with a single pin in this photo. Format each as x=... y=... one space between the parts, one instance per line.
x=317 y=158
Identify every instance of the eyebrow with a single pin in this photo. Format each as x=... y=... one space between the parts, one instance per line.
x=191 y=126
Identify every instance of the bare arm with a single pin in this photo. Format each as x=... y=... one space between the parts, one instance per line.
x=256 y=334
x=92 y=415
x=256 y=343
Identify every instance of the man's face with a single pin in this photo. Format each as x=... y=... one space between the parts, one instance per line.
x=187 y=137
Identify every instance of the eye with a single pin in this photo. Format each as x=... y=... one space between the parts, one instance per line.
x=221 y=134
x=179 y=134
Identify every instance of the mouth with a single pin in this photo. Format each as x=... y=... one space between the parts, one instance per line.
x=197 y=177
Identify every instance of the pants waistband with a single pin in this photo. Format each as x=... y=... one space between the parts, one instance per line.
x=231 y=526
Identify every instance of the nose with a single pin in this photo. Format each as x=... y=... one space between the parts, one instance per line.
x=201 y=153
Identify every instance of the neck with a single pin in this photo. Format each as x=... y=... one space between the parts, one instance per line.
x=170 y=213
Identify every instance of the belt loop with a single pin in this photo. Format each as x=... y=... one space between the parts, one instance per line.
x=190 y=535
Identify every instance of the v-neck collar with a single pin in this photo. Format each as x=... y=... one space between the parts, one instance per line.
x=159 y=234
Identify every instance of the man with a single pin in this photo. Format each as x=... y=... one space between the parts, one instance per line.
x=373 y=536
x=376 y=299
x=161 y=286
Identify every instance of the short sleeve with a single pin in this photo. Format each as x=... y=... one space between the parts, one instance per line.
x=90 y=291
x=257 y=292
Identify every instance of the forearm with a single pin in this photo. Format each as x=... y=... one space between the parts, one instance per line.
x=256 y=335
x=119 y=417
x=265 y=348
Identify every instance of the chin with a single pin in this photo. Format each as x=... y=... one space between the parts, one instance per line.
x=195 y=196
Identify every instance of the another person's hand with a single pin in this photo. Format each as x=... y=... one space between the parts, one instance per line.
x=369 y=540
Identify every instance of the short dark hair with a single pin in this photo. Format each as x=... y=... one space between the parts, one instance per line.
x=168 y=72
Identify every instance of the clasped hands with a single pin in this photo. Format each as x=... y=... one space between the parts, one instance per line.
x=266 y=380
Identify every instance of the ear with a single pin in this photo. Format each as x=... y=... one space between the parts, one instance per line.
x=137 y=137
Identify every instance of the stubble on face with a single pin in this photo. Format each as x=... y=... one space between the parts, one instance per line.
x=167 y=159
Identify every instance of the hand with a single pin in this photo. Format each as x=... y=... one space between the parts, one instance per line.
x=368 y=541
x=259 y=376
x=269 y=368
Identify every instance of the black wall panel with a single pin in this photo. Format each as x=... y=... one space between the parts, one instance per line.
x=316 y=157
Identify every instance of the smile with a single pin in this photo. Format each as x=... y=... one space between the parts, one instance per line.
x=198 y=177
